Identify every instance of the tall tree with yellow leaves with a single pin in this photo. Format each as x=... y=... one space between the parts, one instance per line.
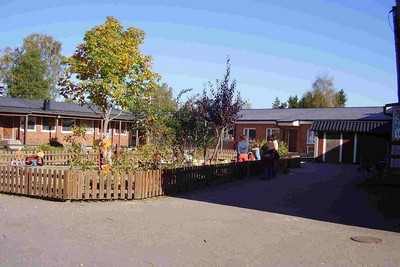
x=109 y=72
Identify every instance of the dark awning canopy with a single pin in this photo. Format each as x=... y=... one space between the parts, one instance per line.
x=352 y=126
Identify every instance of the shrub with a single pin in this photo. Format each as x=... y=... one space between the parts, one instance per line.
x=54 y=142
x=282 y=148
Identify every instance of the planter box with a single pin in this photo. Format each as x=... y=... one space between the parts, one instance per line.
x=292 y=160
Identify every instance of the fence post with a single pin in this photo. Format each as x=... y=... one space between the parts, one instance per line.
x=29 y=184
x=67 y=185
x=137 y=193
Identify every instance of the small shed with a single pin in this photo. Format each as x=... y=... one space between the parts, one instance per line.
x=353 y=141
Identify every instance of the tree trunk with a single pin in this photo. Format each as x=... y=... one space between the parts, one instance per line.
x=106 y=145
x=222 y=139
x=215 y=153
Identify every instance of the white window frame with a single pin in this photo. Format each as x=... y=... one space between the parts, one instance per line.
x=246 y=132
x=116 y=128
x=270 y=131
x=62 y=125
x=49 y=131
x=90 y=129
x=22 y=123
x=226 y=135
x=310 y=136
x=99 y=125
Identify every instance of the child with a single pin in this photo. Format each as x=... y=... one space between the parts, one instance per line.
x=251 y=156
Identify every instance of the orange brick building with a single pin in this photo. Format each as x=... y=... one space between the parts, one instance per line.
x=34 y=122
x=327 y=134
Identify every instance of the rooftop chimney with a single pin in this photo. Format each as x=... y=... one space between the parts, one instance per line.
x=46 y=104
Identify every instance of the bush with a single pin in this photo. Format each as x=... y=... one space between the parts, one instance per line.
x=43 y=147
x=54 y=142
x=282 y=148
x=48 y=147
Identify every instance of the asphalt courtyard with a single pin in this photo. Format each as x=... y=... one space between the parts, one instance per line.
x=307 y=217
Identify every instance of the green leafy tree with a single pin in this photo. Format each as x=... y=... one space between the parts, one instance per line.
x=157 y=113
x=8 y=58
x=50 y=51
x=26 y=77
x=109 y=72
x=50 y=55
x=192 y=126
x=79 y=157
x=322 y=95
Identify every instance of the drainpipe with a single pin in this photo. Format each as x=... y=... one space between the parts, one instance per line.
x=26 y=128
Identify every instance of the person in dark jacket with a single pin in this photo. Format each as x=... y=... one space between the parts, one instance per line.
x=268 y=159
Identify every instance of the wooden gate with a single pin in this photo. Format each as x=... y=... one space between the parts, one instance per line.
x=8 y=124
x=332 y=147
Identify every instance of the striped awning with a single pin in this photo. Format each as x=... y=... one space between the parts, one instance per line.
x=352 y=126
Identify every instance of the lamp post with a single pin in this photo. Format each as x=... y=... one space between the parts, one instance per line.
x=396 y=25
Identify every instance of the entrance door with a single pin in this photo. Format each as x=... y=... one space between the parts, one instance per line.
x=292 y=140
x=332 y=147
x=7 y=127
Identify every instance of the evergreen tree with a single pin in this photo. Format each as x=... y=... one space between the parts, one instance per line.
x=341 y=98
x=277 y=104
x=293 y=102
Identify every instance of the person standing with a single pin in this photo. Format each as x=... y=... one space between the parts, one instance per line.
x=276 y=154
x=275 y=141
x=268 y=158
x=242 y=149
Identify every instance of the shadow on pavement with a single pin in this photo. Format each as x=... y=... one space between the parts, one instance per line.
x=318 y=191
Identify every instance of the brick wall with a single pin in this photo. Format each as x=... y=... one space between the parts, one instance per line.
x=261 y=129
x=39 y=136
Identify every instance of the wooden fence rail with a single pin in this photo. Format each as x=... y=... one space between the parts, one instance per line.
x=63 y=184
x=50 y=158
x=61 y=158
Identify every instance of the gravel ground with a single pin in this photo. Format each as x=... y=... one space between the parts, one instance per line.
x=304 y=218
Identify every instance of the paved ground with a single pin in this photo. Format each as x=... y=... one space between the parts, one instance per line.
x=304 y=218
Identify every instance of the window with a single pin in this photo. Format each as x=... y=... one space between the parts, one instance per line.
x=48 y=124
x=123 y=128
x=272 y=131
x=31 y=124
x=67 y=125
x=229 y=135
x=88 y=125
x=249 y=133
x=310 y=137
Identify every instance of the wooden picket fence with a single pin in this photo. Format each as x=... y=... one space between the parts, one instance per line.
x=225 y=154
x=50 y=158
x=61 y=158
x=66 y=184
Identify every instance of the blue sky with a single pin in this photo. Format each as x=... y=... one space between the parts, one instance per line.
x=277 y=47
